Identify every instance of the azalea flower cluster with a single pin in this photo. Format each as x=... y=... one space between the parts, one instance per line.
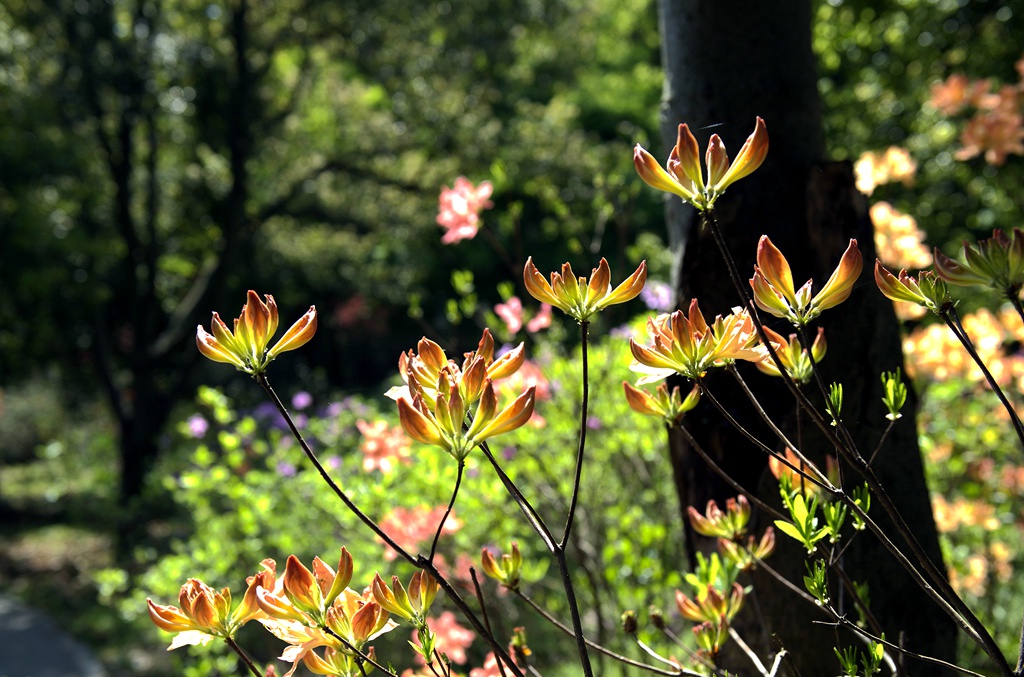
x=460 y=207
x=729 y=526
x=996 y=128
x=455 y=407
x=326 y=625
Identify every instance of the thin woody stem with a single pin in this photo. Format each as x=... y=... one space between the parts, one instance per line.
x=451 y=504
x=245 y=658
x=952 y=320
x=363 y=657
x=599 y=648
x=583 y=438
x=531 y=514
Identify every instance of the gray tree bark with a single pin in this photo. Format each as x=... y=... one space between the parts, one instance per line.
x=727 y=61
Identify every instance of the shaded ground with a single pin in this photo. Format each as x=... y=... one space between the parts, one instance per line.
x=33 y=645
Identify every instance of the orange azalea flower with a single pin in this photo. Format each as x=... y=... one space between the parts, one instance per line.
x=246 y=347
x=668 y=406
x=773 y=284
x=203 y=613
x=898 y=240
x=576 y=297
x=682 y=175
x=711 y=605
x=746 y=556
x=685 y=344
x=730 y=524
x=794 y=476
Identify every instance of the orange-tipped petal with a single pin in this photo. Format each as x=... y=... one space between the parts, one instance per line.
x=750 y=157
x=538 y=286
x=418 y=425
x=297 y=335
x=717 y=161
x=685 y=159
x=656 y=177
x=775 y=268
x=630 y=288
x=214 y=350
x=513 y=416
x=840 y=284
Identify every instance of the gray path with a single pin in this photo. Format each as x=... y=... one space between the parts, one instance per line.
x=33 y=645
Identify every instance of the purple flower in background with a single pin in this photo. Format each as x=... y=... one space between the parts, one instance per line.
x=657 y=296
x=508 y=453
x=301 y=400
x=334 y=409
x=285 y=469
x=333 y=462
x=593 y=423
x=197 y=426
x=266 y=412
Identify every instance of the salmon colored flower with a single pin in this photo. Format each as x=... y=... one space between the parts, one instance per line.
x=684 y=343
x=508 y=570
x=460 y=207
x=996 y=262
x=246 y=347
x=682 y=175
x=710 y=605
x=663 y=404
x=383 y=446
x=773 y=284
x=874 y=169
x=927 y=291
x=203 y=613
x=730 y=524
x=793 y=474
x=898 y=240
x=578 y=298
x=792 y=355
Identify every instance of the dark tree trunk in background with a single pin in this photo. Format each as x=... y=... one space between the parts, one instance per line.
x=727 y=61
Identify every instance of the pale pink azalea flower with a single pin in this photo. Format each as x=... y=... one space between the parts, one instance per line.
x=452 y=638
x=996 y=134
x=412 y=528
x=383 y=446
x=957 y=92
x=541 y=320
x=460 y=208
x=489 y=669
x=511 y=313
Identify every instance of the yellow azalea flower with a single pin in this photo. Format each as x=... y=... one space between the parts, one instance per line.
x=203 y=613
x=246 y=347
x=773 y=284
x=682 y=174
x=578 y=298
x=685 y=344
x=927 y=291
x=792 y=355
x=996 y=262
x=413 y=604
x=663 y=404
x=509 y=571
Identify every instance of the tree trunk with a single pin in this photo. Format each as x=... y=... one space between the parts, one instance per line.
x=726 y=62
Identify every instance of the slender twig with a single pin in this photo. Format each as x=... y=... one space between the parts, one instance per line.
x=361 y=655
x=483 y=609
x=952 y=320
x=451 y=504
x=532 y=516
x=758 y=665
x=245 y=658
x=599 y=648
x=583 y=438
x=881 y=441
x=777 y=664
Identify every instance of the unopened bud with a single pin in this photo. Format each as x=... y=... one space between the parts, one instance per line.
x=629 y=622
x=656 y=616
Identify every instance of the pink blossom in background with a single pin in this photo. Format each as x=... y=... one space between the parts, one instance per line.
x=382 y=446
x=490 y=668
x=460 y=208
x=958 y=92
x=541 y=320
x=511 y=313
x=412 y=528
x=452 y=638
x=996 y=134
